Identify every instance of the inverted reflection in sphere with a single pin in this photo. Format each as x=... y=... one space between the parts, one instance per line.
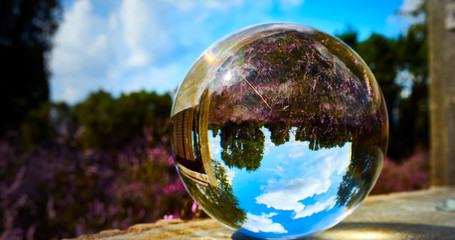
x=279 y=131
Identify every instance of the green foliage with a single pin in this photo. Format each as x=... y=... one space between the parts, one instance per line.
x=412 y=50
x=414 y=109
x=44 y=123
x=349 y=36
x=408 y=114
x=111 y=123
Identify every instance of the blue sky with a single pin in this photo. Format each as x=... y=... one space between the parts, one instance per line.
x=123 y=46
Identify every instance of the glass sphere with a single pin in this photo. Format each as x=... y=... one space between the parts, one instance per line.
x=279 y=130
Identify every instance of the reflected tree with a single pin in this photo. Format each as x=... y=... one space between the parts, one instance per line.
x=360 y=176
x=220 y=201
x=291 y=83
x=243 y=145
x=279 y=133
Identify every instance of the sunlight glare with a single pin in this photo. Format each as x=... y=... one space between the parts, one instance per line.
x=209 y=58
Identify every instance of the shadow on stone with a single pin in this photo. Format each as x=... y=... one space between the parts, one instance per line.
x=239 y=236
x=376 y=230
x=381 y=230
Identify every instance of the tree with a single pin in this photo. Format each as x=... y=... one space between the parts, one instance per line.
x=387 y=58
x=414 y=109
x=26 y=28
x=111 y=123
x=45 y=124
x=349 y=36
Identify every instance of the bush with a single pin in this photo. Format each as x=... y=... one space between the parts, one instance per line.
x=409 y=175
x=106 y=163
x=53 y=191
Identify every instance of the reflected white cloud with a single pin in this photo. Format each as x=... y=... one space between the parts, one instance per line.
x=215 y=152
x=230 y=174
x=314 y=176
x=278 y=171
x=267 y=146
x=263 y=223
x=298 y=148
x=296 y=154
x=288 y=196
x=315 y=208
x=342 y=160
x=214 y=144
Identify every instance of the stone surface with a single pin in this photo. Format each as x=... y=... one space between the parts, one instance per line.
x=407 y=215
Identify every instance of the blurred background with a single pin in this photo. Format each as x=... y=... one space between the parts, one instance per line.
x=87 y=90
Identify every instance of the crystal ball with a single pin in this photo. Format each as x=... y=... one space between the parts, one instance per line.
x=279 y=130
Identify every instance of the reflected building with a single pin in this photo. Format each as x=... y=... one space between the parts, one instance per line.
x=206 y=180
x=191 y=147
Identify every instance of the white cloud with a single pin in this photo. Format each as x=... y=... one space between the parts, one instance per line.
x=287 y=4
x=405 y=14
x=188 y=5
x=144 y=32
x=406 y=80
x=117 y=51
x=262 y=223
x=129 y=45
x=409 y=6
x=78 y=30
x=152 y=78
x=81 y=53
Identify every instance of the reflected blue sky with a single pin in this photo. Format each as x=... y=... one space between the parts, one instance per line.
x=122 y=46
x=293 y=191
